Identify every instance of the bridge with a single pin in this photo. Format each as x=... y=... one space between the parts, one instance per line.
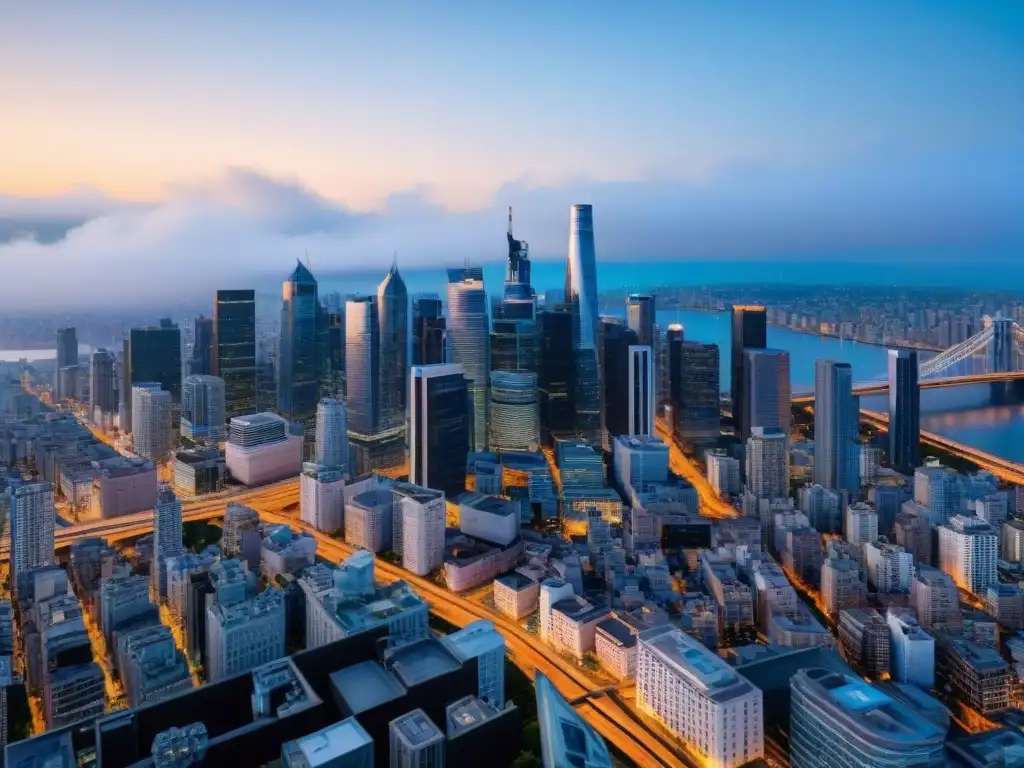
x=993 y=355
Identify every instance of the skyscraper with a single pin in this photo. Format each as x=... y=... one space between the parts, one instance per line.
x=393 y=316
x=556 y=382
x=439 y=419
x=515 y=413
x=514 y=343
x=697 y=413
x=152 y=437
x=167 y=536
x=152 y=354
x=334 y=371
x=617 y=342
x=836 y=427
x=428 y=331
x=332 y=434
x=517 y=274
x=298 y=365
x=767 y=463
x=904 y=410
x=640 y=317
x=202 y=409
x=749 y=331
x=102 y=404
x=469 y=343
x=969 y=552
x=641 y=390
x=201 y=361
x=581 y=295
x=32 y=528
x=322 y=496
x=767 y=401
x=234 y=349
x=67 y=355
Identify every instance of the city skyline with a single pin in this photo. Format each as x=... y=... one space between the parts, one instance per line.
x=890 y=129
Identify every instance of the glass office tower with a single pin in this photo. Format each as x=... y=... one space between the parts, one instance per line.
x=749 y=331
x=234 y=349
x=836 y=427
x=581 y=295
x=152 y=354
x=904 y=410
x=393 y=316
x=469 y=343
x=298 y=364
x=439 y=423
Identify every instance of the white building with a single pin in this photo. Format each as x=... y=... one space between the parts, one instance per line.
x=870 y=461
x=615 y=647
x=322 y=497
x=167 y=536
x=969 y=552
x=641 y=390
x=699 y=698
x=284 y=551
x=890 y=567
x=723 y=473
x=861 y=524
x=481 y=641
x=552 y=591
x=419 y=515
x=32 y=519
x=243 y=635
x=261 y=450
x=515 y=595
x=332 y=449
x=912 y=649
x=151 y=422
x=767 y=463
x=489 y=518
x=573 y=625
x=369 y=513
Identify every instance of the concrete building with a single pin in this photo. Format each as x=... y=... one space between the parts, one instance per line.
x=199 y=471
x=823 y=508
x=151 y=667
x=640 y=459
x=836 y=427
x=1006 y=603
x=573 y=625
x=345 y=744
x=912 y=649
x=861 y=524
x=698 y=697
x=152 y=437
x=469 y=344
x=840 y=720
x=514 y=411
x=767 y=463
x=515 y=595
x=914 y=533
x=481 y=641
x=285 y=551
x=641 y=390
x=489 y=518
x=864 y=641
x=322 y=497
x=102 y=392
x=123 y=487
x=767 y=397
x=978 y=676
x=32 y=519
x=1012 y=534
x=243 y=630
x=723 y=473
x=241 y=537
x=167 y=537
x=616 y=647
x=125 y=604
x=369 y=513
x=890 y=568
x=419 y=521
x=332 y=450
x=969 y=552
x=935 y=599
x=261 y=450
x=552 y=591
x=415 y=741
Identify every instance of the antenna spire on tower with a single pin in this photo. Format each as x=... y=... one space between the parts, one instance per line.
x=510 y=220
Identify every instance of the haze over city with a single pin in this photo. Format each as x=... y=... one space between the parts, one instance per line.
x=153 y=153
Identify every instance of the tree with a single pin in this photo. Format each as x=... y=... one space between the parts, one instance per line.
x=526 y=760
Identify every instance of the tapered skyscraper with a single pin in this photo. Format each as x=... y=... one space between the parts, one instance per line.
x=298 y=366
x=469 y=343
x=581 y=295
x=904 y=410
x=393 y=315
x=517 y=276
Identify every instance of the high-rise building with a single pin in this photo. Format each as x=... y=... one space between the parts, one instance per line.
x=640 y=314
x=838 y=719
x=904 y=410
x=723 y=473
x=201 y=360
x=67 y=355
x=439 y=421
x=515 y=411
x=419 y=530
x=517 y=273
x=298 y=361
x=102 y=398
x=935 y=599
x=698 y=697
x=890 y=568
x=767 y=400
x=334 y=370
x=32 y=528
x=969 y=552
x=767 y=463
x=913 y=649
x=167 y=536
x=861 y=525
x=697 y=411
x=514 y=343
x=202 y=409
x=322 y=497
x=469 y=343
x=581 y=296
x=233 y=357
x=864 y=640
x=556 y=383
x=332 y=435
x=151 y=354
x=415 y=741
x=481 y=641
x=616 y=342
x=428 y=331
x=393 y=315
x=836 y=427
x=822 y=507
x=641 y=391
x=749 y=331
x=842 y=584
x=152 y=436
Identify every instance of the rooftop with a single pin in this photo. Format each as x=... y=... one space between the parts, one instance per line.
x=579 y=609
x=692 y=659
x=491 y=504
x=415 y=728
x=619 y=631
x=979 y=657
x=257 y=419
x=374 y=498
x=328 y=745
x=416 y=492
x=643 y=443
x=475 y=639
x=516 y=581
x=467 y=712
x=420 y=661
x=366 y=685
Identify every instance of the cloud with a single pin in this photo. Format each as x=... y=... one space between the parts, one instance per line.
x=245 y=228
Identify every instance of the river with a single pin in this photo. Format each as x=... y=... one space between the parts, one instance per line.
x=990 y=418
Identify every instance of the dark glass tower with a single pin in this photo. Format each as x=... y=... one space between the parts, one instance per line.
x=234 y=349
x=428 y=329
x=749 y=331
x=836 y=427
x=904 y=410
x=640 y=317
x=201 y=362
x=334 y=318
x=674 y=338
x=617 y=340
x=439 y=428
x=298 y=365
x=67 y=355
x=517 y=276
x=362 y=359
x=698 y=414
x=556 y=382
x=151 y=354
x=393 y=315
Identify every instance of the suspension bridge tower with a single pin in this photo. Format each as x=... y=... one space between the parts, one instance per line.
x=1002 y=344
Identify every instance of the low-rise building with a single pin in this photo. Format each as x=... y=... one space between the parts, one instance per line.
x=515 y=594
x=284 y=551
x=574 y=623
x=489 y=518
x=864 y=641
x=198 y=471
x=123 y=487
x=978 y=676
x=912 y=649
x=615 y=646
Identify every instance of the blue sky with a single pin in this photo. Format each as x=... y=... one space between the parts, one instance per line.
x=726 y=129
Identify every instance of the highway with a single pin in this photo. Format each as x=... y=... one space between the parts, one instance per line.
x=949 y=381
x=710 y=503
x=1008 y=471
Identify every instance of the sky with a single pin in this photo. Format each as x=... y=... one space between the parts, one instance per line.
x=156 y=149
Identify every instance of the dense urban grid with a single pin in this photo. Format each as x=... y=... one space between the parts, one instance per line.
x=353 y=537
